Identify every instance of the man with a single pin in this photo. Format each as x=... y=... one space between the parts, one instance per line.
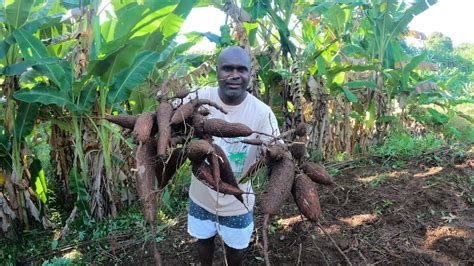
x=212 y=213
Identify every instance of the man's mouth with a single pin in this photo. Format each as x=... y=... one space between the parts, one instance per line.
x=234 y=85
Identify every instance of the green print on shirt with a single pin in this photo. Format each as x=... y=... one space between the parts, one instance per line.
x=238 y=159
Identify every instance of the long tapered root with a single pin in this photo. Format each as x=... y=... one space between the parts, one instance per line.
x=266 y=217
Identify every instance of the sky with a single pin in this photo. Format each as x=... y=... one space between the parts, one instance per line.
x=453 y=18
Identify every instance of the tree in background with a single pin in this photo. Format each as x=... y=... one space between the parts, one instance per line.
x=437 y=41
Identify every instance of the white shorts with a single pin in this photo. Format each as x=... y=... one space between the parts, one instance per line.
x=236 y=231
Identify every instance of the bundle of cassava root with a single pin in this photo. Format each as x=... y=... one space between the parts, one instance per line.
x=166 y=137
x=170 y=135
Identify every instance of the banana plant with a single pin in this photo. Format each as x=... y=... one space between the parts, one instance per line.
x=123 y=52
x=386 y=21
x=18 y=118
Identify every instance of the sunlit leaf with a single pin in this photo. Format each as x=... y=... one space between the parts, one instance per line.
x=17 y=12
x=38 y=181
x=70 y=4
x=337 y=17
x=45 y=95
x=370 y=115
x=133 y=76
x=34 y=50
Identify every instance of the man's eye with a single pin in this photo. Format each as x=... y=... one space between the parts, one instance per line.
x=242 y=69
x=227 y=68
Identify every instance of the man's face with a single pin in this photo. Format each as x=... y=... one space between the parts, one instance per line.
x=233 y=74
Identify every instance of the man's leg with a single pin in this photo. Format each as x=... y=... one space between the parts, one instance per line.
x=234 y=256
x=206 y=250
x=236 y=232
x=202 y=225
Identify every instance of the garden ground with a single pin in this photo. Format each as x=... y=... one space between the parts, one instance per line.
x=417 y=212
x=382 y=211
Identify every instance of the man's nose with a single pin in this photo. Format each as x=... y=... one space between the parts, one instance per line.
x=234 y=74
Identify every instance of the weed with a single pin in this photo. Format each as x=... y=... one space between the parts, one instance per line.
x=401 y=144
x=381 y=209
x=333 y=171
x=449 y=218
x=379 y=180
x=272 y=228
x=58 y=262
x=342 y=156
x=378 y=211
x=399 y=164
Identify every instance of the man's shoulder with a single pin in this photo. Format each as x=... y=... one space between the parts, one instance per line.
x=259 y=104
x=202 y=93
x=206 y=92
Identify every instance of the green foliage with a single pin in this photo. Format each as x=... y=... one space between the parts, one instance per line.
x=79 y=190
x=381 y=209
x=403 y=145
x=438 y=42
x=135 y=50
x=45 y=95
x=379 y=180
x=131 y=77
x=25 y=119
x=461 y=128
x=173 y=197
x=466 y=51
x=18 y=11
x=38 y=179
x=33 y=50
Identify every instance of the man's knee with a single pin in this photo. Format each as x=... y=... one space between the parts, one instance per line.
x=207 y=241
x=234 y=256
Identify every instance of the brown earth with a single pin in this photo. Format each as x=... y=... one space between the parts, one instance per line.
x=380 y=212
x=421 y=214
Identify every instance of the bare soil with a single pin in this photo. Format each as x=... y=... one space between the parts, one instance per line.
x=421 y=213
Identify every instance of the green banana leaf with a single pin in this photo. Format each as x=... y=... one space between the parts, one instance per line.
x=337 y=18
x=414 y=62
x=5 y=144
x=87 y=98
x=38 y=181
x=45 y=95
x=18 y=11
x=169 y=27
x=349 y=95
x=79 y=190
x=34 y=50
x=25 y=120
x=117 y=61
x=31 y=26
x=129 y=78
x=70 y=4
x=20 y=68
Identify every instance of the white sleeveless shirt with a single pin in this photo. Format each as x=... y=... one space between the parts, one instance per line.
x=259 y=117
